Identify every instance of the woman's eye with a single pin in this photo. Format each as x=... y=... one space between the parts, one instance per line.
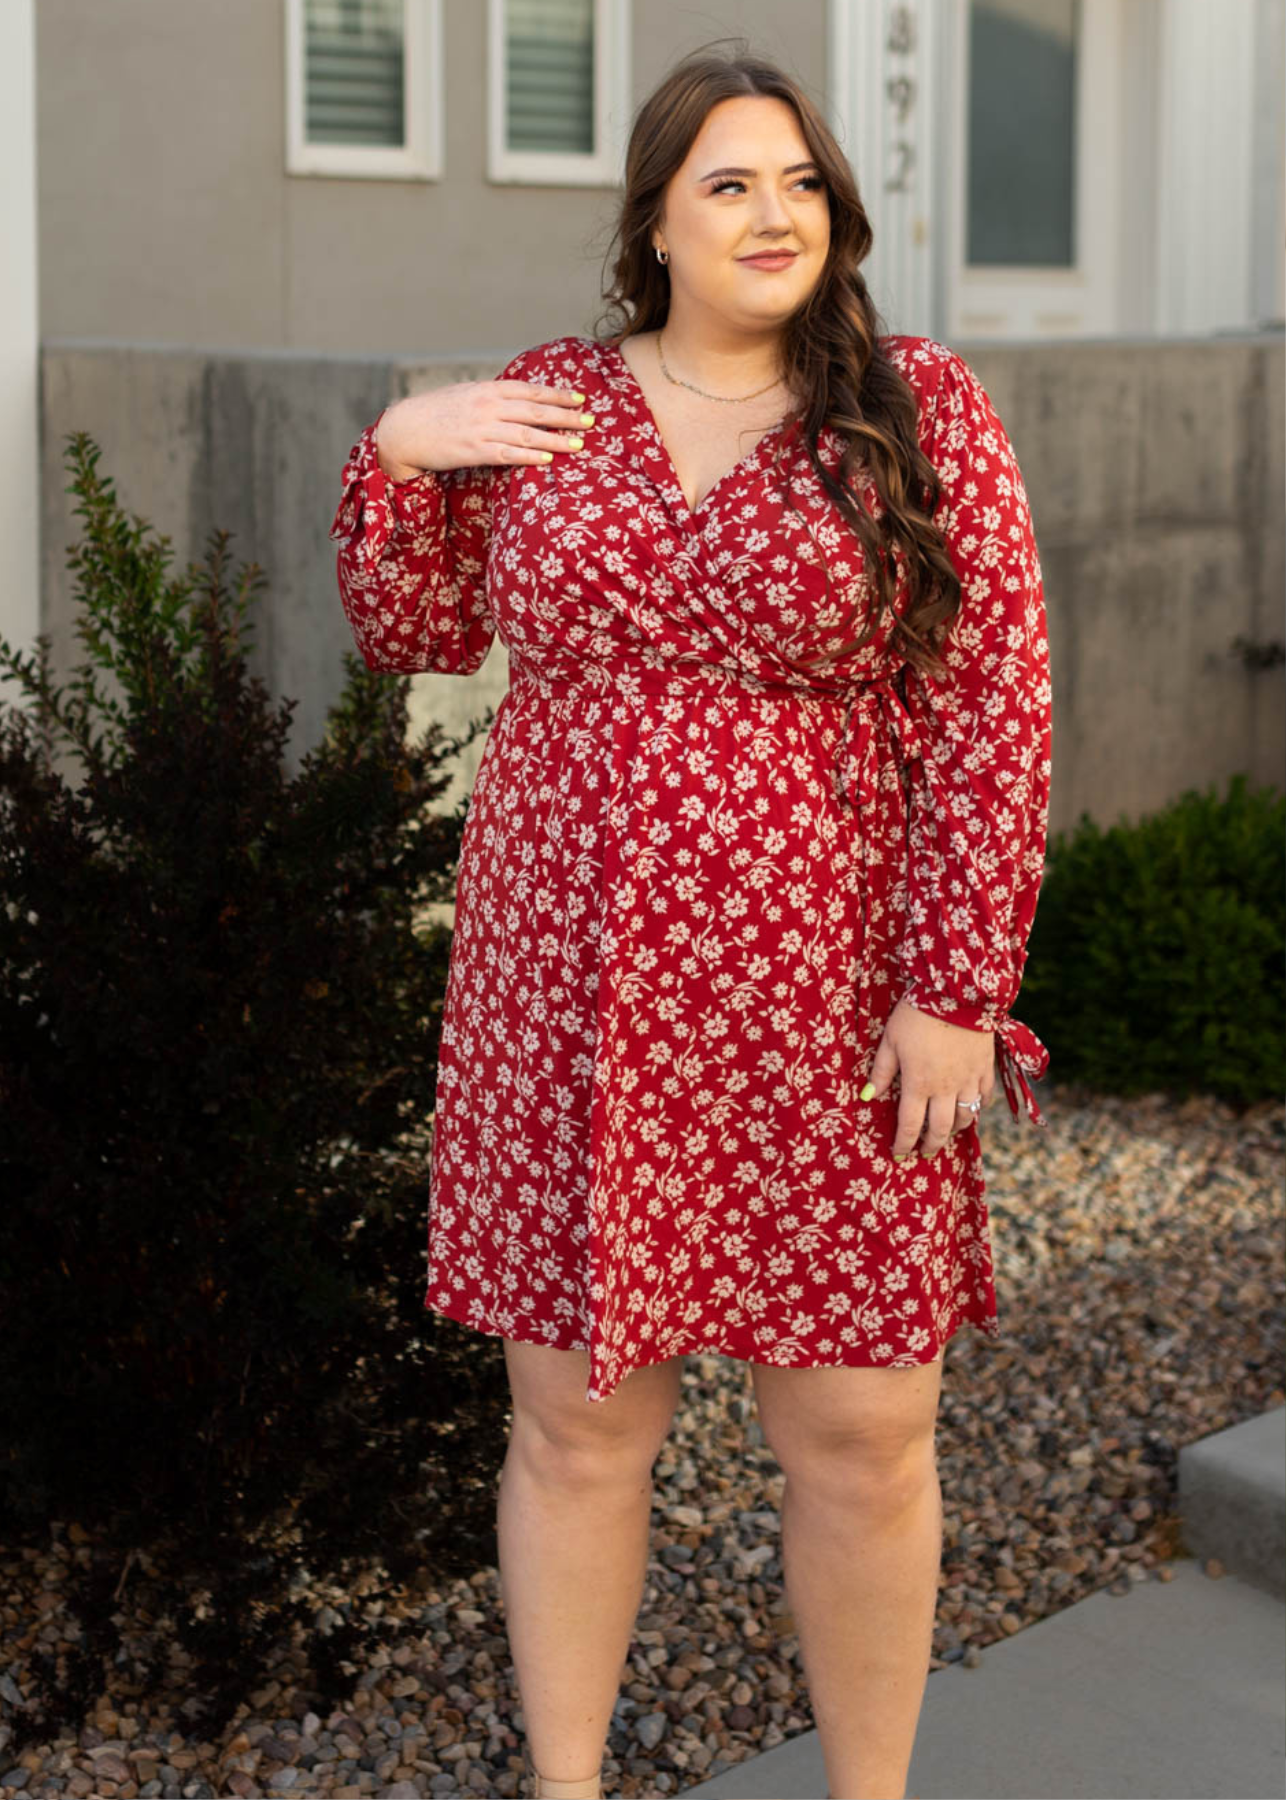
x=806 y=181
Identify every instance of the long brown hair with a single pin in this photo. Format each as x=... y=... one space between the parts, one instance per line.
x=831 y=350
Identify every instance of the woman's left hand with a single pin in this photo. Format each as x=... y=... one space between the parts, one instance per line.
x=939 y=1065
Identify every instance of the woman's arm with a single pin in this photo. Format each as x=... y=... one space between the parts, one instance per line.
x=412 y=562
x=415 y=520
x=980 y=805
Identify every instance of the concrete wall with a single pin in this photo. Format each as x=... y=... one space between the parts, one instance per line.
x=1155 y=472
x=167 y=216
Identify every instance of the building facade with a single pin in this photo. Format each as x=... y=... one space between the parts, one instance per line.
x=439 y=175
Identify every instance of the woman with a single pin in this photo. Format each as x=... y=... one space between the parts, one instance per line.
x=743 y=898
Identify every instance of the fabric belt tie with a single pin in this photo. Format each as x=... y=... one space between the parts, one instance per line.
x=863 y=706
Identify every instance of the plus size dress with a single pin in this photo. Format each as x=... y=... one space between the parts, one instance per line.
x=694 y=881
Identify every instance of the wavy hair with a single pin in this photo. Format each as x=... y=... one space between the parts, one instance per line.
x=831 y=349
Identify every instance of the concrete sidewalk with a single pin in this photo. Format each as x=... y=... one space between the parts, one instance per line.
x=1173 y=1691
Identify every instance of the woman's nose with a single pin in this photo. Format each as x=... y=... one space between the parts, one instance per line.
x=772 y=212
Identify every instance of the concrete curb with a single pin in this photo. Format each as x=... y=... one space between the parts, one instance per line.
x=1232 y=1499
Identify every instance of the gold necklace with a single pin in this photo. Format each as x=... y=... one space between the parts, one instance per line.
x=729 y=399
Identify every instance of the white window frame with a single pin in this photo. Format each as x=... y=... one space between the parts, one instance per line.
x=604 y=167
x=421 y=158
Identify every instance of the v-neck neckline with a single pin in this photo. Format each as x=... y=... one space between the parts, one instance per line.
x=691 y=514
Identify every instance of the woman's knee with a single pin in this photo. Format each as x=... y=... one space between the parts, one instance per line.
x=864 y=1431
x=556 y=1426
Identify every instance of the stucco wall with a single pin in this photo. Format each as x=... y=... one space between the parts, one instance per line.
x=167 y=216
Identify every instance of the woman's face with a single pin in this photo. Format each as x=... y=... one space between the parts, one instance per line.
x=711 y=221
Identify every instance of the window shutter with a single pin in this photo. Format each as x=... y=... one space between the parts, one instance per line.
x=549 y=75
x=354 y=57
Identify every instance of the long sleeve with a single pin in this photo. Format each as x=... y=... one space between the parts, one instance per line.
x=412 y=562
x=980 y=808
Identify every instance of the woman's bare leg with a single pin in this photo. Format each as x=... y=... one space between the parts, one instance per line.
x=573 y=1519
x=861 y=1547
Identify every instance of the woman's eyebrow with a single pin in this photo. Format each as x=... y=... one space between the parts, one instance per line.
x=790 y=169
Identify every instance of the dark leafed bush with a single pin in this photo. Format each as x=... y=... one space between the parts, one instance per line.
x=219 y=1017
x=1157 y=960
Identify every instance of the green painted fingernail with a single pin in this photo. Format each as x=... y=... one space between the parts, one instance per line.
x=868 y=1092
x=901 y=1158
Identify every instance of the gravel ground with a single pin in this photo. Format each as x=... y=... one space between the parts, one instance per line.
x=1139 y=1252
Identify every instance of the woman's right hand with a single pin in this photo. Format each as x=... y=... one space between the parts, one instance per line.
x=476 y=422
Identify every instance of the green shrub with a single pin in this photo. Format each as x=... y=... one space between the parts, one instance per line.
x=1158 y=953
x=219 y=1020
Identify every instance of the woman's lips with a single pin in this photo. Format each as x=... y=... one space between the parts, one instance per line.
x=779 y=261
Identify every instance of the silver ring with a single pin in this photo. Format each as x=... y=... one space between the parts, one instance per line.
x=972 y=1106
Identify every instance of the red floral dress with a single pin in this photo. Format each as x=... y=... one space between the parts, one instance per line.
x=694 y=882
